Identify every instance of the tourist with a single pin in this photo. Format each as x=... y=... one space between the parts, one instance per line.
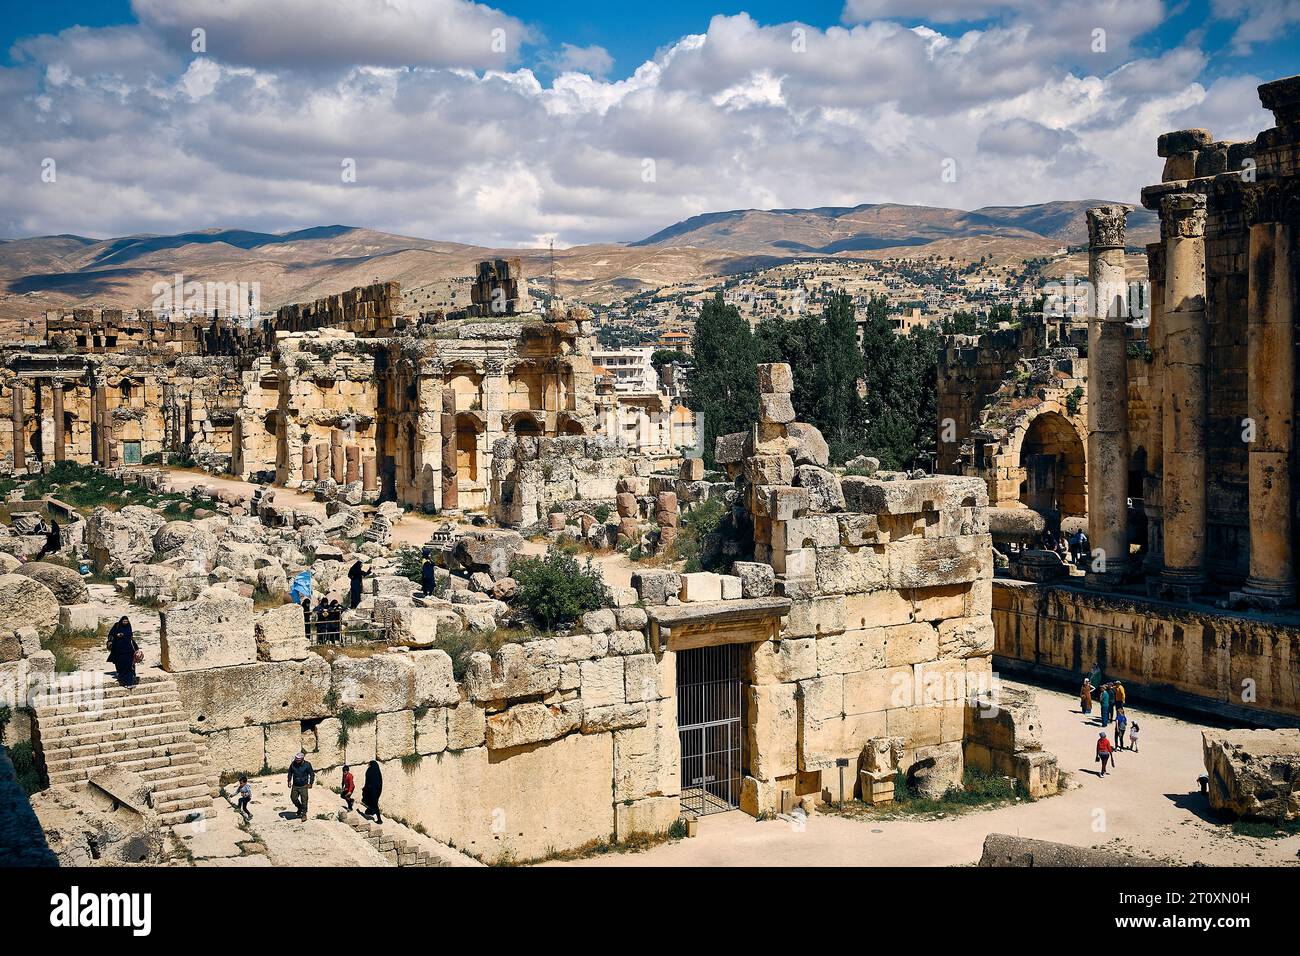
x=1105 y=752
x=349 y=786
x=1133 y=737
x=306 y=617
x=1085 y=697
x=301 y=777
x=123 y=652
x=355 y=574
x=323 y=631
x=428 y=575
x=1105 y=704
x=373 y=789
x=1079 y=545
x=1121 y=695
x=1121 y=725
x=53 y=541
x=245 y=794
x=336 y=621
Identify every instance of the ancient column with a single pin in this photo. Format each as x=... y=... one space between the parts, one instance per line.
x=322 y=460
x=1153 y=481
x=1182 y=217
x=20 y=443
x=1270 y=391
x=308 y=462
x=368 y=475
x=56 y=394
x=450 y=479
x=352 y=456
x=1108 y=449
x=336 y=455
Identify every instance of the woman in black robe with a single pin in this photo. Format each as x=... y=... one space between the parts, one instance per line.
x=122 y=650
x=371 y=791
x=355 y=574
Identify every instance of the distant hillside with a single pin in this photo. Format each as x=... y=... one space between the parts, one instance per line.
x=867 y=229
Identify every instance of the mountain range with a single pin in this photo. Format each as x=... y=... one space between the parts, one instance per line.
x=50 y=272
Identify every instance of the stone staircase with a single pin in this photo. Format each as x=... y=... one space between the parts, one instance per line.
x=402 y=846
x=141 y=729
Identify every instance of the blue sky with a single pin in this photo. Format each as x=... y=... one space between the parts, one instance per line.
x=598 y=121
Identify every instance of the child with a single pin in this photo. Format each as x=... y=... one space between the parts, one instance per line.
x=349 y=786
x=1133 y=737
x=245 y=794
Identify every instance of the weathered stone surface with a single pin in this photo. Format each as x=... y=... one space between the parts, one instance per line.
x=281 y=634
x=1253 y=772
x=262 y=693
x=531 y=723
x=602 y=681
x=774 y=730
x=651 y=816
x=394 y=735
x=599 y=720
x=25 y=602
x=64 y=583
x=216 y=630
x=236 y=750
x=807 y=446
x=375 y=684
x=757 y=579
x=824 y=493
x=646 y=758
x=1001 y=849
x=487 y=549
x=118 y=539
x=701 y=586
x=466 y=726
x=656 y=586
x=510 y=673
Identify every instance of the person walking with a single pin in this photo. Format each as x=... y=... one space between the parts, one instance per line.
x=1105 y=752
x=1105 y=705
x=428 y=575
x=1121 y=725
x=1085 y=697
x=372 y=790
x=349 y=786
x=355 y=574
x=245 y=793
x=123 y=651
x=1133 y=737
x=301 y=778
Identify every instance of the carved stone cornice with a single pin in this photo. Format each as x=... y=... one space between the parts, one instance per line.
x=1182 y=216
x=1275 y=200
x=1106 y=226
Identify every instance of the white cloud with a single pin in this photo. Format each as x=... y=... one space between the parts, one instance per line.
x=150 y=138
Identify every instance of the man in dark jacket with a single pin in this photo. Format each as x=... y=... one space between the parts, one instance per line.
x=301 y=778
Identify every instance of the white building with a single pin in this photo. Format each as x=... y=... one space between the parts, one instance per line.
x=632 y=370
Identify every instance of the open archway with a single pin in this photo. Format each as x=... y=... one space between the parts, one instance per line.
x=1054 y=461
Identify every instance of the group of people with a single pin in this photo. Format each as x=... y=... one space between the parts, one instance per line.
x=1073 y=548
x=301 y=778
x=324 y=622
x=1112 y=700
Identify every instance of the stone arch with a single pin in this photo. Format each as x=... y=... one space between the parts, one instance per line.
x=1050 y=453
x=527 y=386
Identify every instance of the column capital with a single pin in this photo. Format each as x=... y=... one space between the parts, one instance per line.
x=1182 y=216
x=1106 y=225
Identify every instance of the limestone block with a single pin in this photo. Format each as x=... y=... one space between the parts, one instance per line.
x=413 y=626
x=856 y=650
x=965 y=637
x=261 y=693
x=627 y=642
x=281 y=634
x=919 y=726
x=598 y=720
x=118 y=539
x=778 y=662
x=847 y=571
x=808 y=447
x=216 y=630
x=641 y=677
x=936 y=769
x=64 y=583
x=758 y=797
x=824 y=492
x=857 y=530
x=701 y=586
x=757 y=579
x=79 y=617
x=157 y=582
x=774 y=730
x=924 y=563
x=877 y=609
x=910 y=644
x=531 y=723
x=651 y=815
x=431 y=730
x=655 y=587
x=775 y=378
x=940 y=603
x=283 y=741
x=466 y=726
x=394 y=735
x=362 y=744
x=810 y=617
x=510 y=674
x=731 y=587
x=602 y=681
x=433 y=679
x=236 y=750
x=599 y=621
x=1245 y=768
x=326 y=751
x=783 y=501
x=775 y=409
x=375 y=684
x=25 y=602
x=646 y=759
x=869 y=692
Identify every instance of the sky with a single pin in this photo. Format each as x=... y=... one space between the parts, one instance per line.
x=514 y=123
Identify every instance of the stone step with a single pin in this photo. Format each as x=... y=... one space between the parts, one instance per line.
x=150 y=708
x=166 y=800
x=97 y=698
x=151 y=741
x=78 y=735
x=124 y=758
x=110 y=690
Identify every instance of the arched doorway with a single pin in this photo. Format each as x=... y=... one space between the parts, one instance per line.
x=1053 y=458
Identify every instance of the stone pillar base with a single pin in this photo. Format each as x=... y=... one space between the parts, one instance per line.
x=1177 y=585
x=1107 y=580
x=1268 y=595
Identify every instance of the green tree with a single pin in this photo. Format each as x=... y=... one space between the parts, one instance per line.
x=723 y=385
x=556 y=589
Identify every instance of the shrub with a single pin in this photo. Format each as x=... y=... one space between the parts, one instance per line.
x=600 y=513
x=556 y=589
x=28 y=769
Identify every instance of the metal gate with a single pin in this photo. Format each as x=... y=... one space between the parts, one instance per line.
x=711 y=725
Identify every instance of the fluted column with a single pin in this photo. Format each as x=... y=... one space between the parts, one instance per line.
x=56 y=402
x=1153 y=480
x=1108 y=449
x=1270 y=389
x=1183 y=221
x=450 y=477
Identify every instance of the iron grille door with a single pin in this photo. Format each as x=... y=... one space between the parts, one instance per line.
x=711 y=726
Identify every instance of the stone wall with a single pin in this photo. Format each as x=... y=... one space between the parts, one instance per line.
x=1199 y=658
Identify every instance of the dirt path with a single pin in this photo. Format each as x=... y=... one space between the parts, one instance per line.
x=1151 y=806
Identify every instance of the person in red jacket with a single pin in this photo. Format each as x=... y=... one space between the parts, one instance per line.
x=349 y=786
x=1105 y=752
